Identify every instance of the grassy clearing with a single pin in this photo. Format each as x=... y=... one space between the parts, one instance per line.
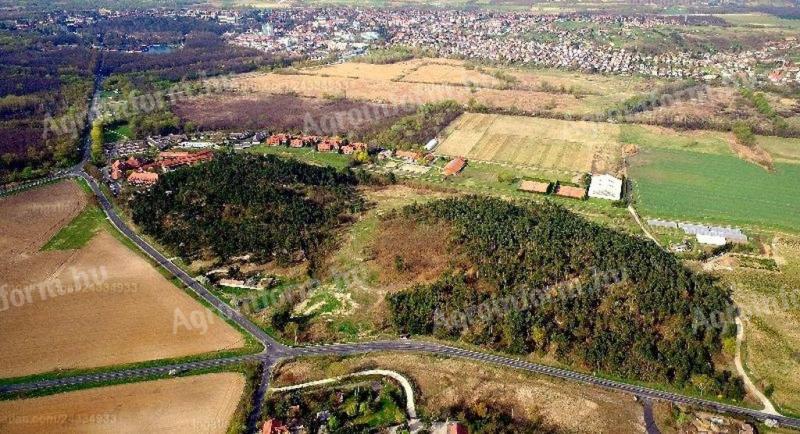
x=307 y=155
x=116 y=132
x=715 y=188
x=709 y=142
x=353 y=274
x=79 y=231
x=782 y=149
x=761 y=20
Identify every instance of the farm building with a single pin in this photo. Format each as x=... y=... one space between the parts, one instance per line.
x=573 y=192
x=143 y=178
x=729 y=234
x=454 y=166
x=712 y=240
x=662 y=224
x=534 y=187
x=605 y=187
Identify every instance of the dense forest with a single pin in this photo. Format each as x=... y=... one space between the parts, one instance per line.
x=201 y=53
x=272 y=208
x=538 y=278
x=45 y=84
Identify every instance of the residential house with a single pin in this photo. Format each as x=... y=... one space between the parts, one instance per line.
x=143 y=178
x=274 y=426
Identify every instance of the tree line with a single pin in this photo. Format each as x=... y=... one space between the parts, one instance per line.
x=510 y=295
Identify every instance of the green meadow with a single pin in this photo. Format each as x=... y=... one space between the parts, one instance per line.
x=715 y=188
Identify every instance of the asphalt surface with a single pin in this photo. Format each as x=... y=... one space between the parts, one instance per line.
x=650 y=426
x=275 y=351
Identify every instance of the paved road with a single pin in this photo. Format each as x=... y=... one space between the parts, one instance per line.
x=650 y=426
x=275 y=351
x=258 y=396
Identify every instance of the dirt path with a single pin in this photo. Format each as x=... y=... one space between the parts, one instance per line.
x=748 y=384
x=644 y=229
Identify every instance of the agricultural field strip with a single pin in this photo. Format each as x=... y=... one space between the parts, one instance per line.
x=282 y=352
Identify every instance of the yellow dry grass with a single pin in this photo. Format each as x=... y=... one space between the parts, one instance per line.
x=401 y=92
x=531 y=90
x=770 y=302
x=196 y=404
x=391 y=71
x=443 y=73
x=100 y=305
x=571 y=146
x=442 y=383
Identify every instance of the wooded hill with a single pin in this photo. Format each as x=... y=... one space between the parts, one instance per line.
x=538 y=278
x=238 y=204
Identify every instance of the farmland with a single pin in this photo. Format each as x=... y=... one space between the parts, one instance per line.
x=421 y=81
x=441 y=385
x=715 y=188
x=287 y=113
x=543 y=143
x=199 y=404
x=93 y=305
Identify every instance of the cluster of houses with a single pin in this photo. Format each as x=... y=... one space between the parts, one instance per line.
x=320 y=143
x=572 y=41
x=602 y=186
x=143 y=172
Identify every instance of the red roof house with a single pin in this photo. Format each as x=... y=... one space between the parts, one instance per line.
x=454 y=166
x=274 y=426
x=143 y=178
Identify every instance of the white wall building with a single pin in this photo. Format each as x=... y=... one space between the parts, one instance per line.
x=605 y=187
x=712 y=240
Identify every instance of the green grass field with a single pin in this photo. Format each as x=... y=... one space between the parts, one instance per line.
x=79 y=231
x=307 y=155
x=117 y=132
x=717 y=188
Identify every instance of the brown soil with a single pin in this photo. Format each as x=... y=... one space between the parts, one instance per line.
x=409 y=252
x=196 y=404
x=754 y=154
x=97 y=306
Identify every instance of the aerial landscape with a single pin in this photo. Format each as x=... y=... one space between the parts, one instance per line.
x=399 y=216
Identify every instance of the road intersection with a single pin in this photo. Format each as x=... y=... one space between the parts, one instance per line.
x=275 y=351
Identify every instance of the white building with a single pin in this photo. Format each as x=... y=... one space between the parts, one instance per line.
x=605 y=187
x=712 y=240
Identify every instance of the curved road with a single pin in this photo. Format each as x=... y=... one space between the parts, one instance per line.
x=275 y=351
